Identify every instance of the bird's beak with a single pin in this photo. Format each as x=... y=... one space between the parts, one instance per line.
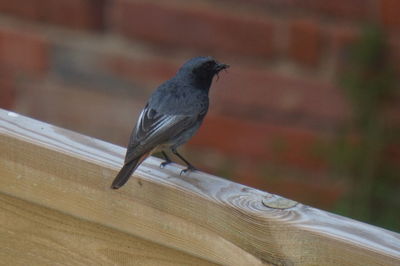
x=219 y=67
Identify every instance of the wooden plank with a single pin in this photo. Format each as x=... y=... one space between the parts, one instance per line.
x=201 y=215
x=34 y=235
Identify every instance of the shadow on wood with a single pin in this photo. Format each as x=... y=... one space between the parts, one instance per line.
x=56 y=205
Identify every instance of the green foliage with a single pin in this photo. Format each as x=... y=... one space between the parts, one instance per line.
x=360 y=153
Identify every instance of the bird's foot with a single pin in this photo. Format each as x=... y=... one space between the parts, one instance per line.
x=190 y=168
x=163 y=164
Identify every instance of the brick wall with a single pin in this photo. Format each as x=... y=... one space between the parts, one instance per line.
x=89 y=65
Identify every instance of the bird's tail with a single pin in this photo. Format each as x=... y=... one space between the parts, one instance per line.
x=125 y=173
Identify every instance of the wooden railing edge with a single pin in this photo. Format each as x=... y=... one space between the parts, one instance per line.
x=200 y=214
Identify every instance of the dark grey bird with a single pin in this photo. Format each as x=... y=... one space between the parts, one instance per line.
x=172 y=116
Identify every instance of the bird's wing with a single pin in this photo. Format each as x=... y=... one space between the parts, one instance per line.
x=154 y=128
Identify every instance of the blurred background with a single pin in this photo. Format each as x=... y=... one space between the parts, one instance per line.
x=309 y=108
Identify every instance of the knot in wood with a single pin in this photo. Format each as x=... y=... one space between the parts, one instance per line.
x=278 y=202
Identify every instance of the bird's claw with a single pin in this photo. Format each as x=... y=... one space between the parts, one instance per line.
x=163 y=164
x=189 y=169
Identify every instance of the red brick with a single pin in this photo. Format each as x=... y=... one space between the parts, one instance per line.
x=149 y=70
x=76 y=14
x=389 y=13
x=340 y=40
x=258 y=141
x=80 y=107
x=250 y=92
x=349 y=9
x=342 y=37
x=305 y=42
x=205 y=30
x=29 y=9
x=261 y=95
x=297 y=185
x=7 y=89
x=271 y=4
x=307 y=186
x=23 y=51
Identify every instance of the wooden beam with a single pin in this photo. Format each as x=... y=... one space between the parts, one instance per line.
x=34 y=235
x=200 y=218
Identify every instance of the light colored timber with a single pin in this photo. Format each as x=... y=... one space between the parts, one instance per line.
x=56 y=205
x=35 y=235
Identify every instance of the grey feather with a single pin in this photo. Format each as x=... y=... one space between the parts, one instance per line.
x=173 y=113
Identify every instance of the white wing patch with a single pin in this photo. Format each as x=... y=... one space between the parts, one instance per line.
x=152 y=126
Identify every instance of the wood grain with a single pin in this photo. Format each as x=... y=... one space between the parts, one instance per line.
x=199 y=214
x=34 y=235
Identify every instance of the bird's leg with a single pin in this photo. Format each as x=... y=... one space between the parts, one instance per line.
x=190 y=167
x=167 y=160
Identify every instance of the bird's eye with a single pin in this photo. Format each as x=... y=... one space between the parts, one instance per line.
x=208 y=64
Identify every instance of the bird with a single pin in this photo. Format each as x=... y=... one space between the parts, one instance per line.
x=172 y=115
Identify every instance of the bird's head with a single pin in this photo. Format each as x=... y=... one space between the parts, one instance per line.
x=201 y=69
